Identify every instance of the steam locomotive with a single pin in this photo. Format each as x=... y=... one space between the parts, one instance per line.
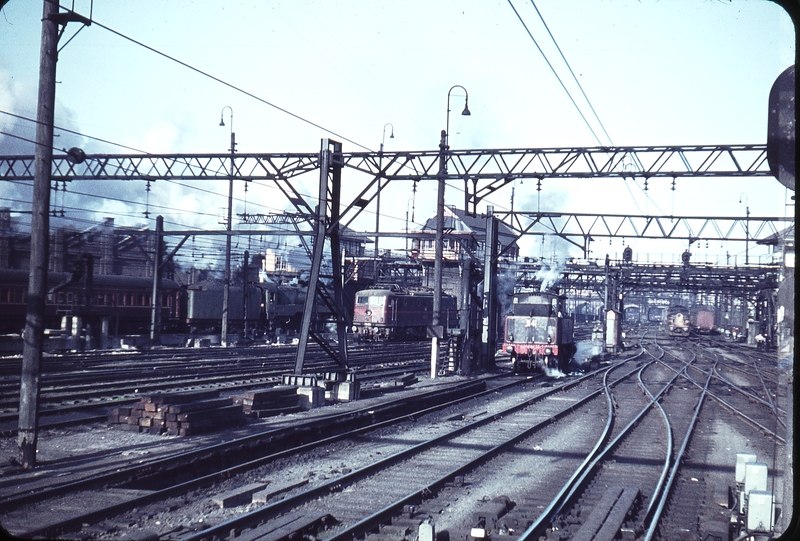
x=270 y=307
x=394 y=313
x=539 y=332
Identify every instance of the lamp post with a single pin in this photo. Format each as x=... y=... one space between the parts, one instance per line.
x=746 y=227
x=226 y=291
x=378 y=196
x=444 y=149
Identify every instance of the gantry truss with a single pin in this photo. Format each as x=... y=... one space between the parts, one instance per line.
x=644 y=278
x=483 y=171
x=572 y=225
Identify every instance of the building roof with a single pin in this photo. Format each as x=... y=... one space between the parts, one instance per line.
x=458 y=221
x=787 y=236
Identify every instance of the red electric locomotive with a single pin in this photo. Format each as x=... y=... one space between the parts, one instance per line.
x=539 y=333
x=394 y=313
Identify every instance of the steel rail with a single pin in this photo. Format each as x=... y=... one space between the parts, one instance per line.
x=730 y=407
x=361 y=527
x=117 y=475
x=668 y=457
x=571 y=488
x=653 y=521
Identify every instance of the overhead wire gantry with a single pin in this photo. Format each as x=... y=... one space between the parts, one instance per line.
x=482 y=171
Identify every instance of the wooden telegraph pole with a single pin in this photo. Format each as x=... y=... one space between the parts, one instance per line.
x=40 y=224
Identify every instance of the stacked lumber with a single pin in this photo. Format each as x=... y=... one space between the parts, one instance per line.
x=270 y=401
x=179 y=414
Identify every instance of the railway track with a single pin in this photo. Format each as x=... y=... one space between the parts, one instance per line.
x=474 y=430
x=526 y=460
x=100 y=384
x=137 y=484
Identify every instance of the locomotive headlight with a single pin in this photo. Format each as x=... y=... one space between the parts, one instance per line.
x=548 y=351
x=509 y=349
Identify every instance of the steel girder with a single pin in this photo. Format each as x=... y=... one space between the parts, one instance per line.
x=569 y=225
x=326 y=227
x=483 y=171
x=737 y=281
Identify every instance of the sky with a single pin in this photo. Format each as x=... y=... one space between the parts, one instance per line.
x=678 y=72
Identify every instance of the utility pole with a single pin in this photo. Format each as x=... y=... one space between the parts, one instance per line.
x=27 y=434
x=226 y=289
x=156 y=304
x=438 y=254
x=245 y=294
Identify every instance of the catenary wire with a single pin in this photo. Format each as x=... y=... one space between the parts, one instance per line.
x=223 y=82
x=569 y=95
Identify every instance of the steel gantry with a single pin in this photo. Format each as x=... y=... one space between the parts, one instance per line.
x=584 y=226
x=483 y=172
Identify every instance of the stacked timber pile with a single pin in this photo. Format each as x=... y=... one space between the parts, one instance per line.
x=179 y=414
x=270 y=401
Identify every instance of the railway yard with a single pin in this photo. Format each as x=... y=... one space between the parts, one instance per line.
x=642 y=446
x=505 y=328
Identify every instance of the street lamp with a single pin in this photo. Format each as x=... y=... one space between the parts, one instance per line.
x=226 y=291
x=378 y=197
x=746 y=226
x=444 y=149
x=465 y=112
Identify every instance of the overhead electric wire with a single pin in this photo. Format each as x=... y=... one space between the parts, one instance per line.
x=221 y=81
x=569 y=94
x=188 y=164
x=571 y=72
x=184 y=185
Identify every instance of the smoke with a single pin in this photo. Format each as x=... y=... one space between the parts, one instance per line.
x=549 y=275
x=505 y=289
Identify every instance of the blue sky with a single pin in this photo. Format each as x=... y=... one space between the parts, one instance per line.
x=679 y=72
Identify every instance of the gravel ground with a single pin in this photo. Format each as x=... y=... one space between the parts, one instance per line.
x=69 y=451
x=197 y=508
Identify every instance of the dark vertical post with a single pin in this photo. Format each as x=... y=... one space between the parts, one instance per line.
x=155 y=304
x=465 y=317
x=438 y=253
x=490 y=290
x=321 y=226
x=226 y=290
x=40 y=225
x=336 y=253
x=245 y=291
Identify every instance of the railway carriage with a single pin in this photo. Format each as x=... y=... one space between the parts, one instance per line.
x=702 y=320
x=394 y=313
x=539 y=332
x=204 y=302
x=117 y=304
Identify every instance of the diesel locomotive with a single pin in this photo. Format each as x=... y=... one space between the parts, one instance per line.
x=678 y=322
